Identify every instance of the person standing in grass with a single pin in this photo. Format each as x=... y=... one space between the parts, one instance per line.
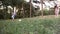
x=56 y=8
x=14 y=13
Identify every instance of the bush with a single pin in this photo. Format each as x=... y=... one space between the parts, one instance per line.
x=20 y=14
x=4 y=14
x=48 y=12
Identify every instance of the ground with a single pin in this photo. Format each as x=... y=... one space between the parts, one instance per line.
x=36 y=25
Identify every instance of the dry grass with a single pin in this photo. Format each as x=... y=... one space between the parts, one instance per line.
x=48 y=17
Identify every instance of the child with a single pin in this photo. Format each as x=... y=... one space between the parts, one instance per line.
x=56 y=9
x=14 y=13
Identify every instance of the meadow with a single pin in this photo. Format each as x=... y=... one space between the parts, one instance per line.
x=36 y=25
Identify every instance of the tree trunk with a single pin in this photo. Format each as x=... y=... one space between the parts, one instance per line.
x=23 y=9
x=30 y=8
x=42 y=8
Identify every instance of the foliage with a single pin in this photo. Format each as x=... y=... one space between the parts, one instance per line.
x=48 y=12
x=26 y=13
x=26 y=7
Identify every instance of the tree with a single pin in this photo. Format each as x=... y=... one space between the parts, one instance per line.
x=42 y=7
x=30 y=8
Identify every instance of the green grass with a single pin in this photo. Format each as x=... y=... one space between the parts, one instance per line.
x=30 y=26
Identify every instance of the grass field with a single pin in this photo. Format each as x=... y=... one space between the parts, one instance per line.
x=35 y=25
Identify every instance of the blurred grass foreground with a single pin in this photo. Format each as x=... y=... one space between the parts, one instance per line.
x=30 y=26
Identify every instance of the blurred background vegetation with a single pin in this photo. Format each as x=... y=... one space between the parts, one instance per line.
x=26 y=9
